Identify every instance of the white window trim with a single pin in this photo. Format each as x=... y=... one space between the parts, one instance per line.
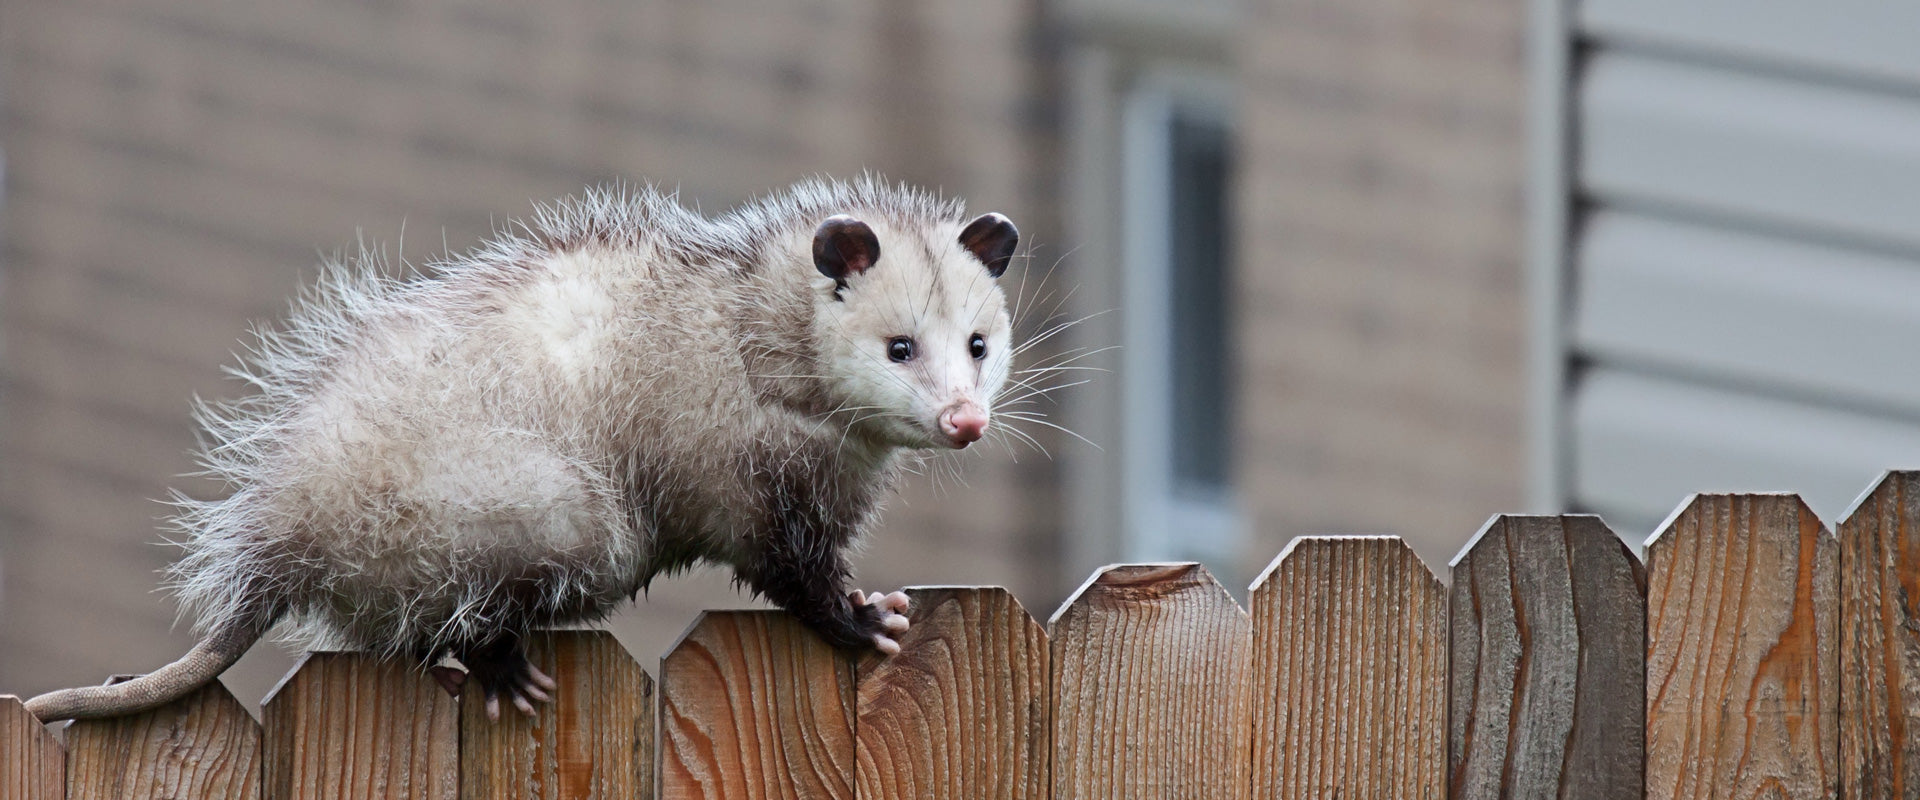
x=1160 y=524
x=1112 y=46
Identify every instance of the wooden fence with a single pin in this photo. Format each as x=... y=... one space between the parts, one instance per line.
x=1754 y=654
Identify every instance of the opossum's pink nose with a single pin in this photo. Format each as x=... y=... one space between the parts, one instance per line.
x=963 y=423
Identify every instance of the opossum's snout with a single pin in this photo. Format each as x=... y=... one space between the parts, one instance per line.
x=963 y=423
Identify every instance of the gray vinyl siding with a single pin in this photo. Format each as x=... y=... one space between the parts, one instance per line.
x=1742 y=268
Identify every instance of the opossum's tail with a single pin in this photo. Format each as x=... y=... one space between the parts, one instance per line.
x=212 y=656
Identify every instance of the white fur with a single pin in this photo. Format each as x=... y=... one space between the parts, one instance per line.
x=418 y=450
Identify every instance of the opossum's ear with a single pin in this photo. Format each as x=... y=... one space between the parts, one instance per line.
x=991 y=238
x=844 y=246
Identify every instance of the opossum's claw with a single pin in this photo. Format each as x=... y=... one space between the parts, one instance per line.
x=892 y=609
x=540 y=679
x=501 y=669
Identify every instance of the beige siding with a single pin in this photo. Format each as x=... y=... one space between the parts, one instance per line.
x=1384 y=316
x=172 y=169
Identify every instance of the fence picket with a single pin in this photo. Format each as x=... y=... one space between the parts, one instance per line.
x=1742 y=695
x=595 y=740
x=1755 y=654
x=1349 y=673
x=1150 y=687
x=1879 y=647
x=32 y=765
x=753 y=705
x=204 y=745
x=962 y=711
x=349 y=725
x=1548 y=677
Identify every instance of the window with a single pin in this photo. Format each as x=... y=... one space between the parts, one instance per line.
x=1149 y=138
x=1177 y=358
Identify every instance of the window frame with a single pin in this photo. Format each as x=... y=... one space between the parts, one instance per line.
x=1161 y=521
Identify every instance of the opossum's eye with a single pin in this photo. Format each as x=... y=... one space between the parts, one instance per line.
x=977 y=346
x=900 y=349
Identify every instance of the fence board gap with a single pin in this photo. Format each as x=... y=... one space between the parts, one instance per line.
x=595 y=740
x=349 y=725
x=1150 y=687
x=204 y=745
x=963 y=709
x=32 y=765
x=1880 y=641
x=753 y=705
x=1369 y=722
x=1548 y=656
x=1742 y=695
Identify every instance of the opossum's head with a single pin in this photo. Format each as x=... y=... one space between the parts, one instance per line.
x=912 y=325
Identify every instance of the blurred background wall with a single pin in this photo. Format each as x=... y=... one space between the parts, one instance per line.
x=1348 y=267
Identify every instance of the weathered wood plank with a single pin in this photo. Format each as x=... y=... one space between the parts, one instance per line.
x=1349 y=673
x=1548 y=656
x=348 y=725
x=753 y=705
x=1742 y=695
x=962 y=710
x=1150 y=687
x=595 y=740
x=204 y=745
x=32 y=765
x=1880 y=641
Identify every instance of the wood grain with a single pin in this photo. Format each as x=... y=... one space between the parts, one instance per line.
x=1742 y=695
x=1349 y=673
x=1548 y=691
x=753 y=705
x=204 y=745
x=1150 y=687
x=595 y=740
x=32 y=765
x=962 y=710
x=348 y=725
x=1880 y=642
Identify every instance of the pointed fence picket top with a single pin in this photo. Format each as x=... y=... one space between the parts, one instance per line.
x=349 y=725
x=962 y=710
x=32 y=765
x=1349 y=672
x=1879 y=644
x=1150 y=669
x=204 y=745
x=753 y=705
x=1742 y=620
x=1548 y=695
x=594 y=740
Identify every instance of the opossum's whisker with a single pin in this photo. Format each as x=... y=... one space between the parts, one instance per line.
x=1032 y=395
x=1025 y=417
x=1069 y=357
x=1056 y=330
x=1038 y=384
x=1027 y=438
x=1019 y=302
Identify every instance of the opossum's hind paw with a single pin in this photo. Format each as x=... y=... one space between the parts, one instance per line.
x=503 y=671
x=890 y=611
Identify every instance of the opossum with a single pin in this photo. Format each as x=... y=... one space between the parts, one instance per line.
x=524 y=436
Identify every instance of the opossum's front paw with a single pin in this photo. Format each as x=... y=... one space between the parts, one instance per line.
x=504 y=670
x=884 y=618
